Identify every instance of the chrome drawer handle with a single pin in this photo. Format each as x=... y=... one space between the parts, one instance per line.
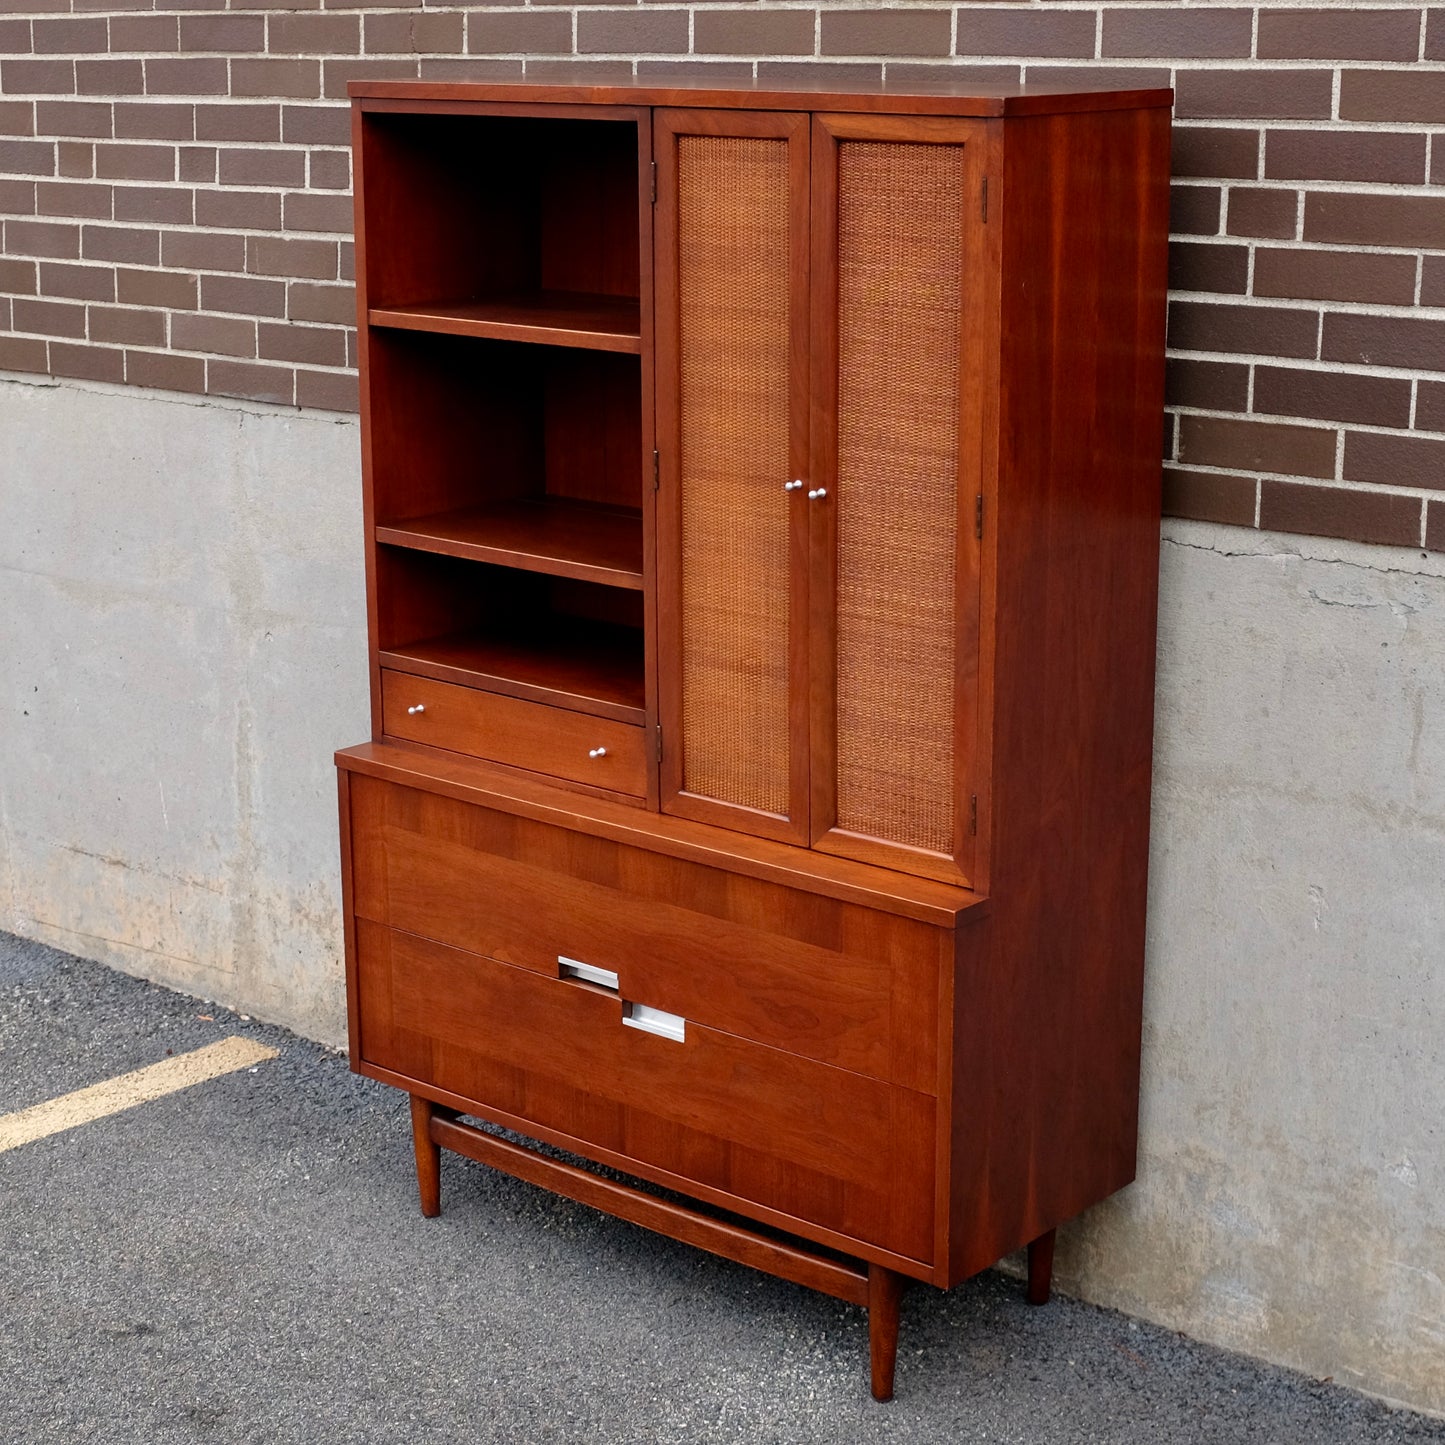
x=654 y=1021
x=597 y=752
x=414 y=711
x=587 y=972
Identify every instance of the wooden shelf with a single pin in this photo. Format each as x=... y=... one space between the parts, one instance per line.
x=537 y=534
x=547 y=318
x=592 y=667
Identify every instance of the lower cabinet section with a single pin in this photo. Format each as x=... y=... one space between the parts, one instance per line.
x=841 y=1154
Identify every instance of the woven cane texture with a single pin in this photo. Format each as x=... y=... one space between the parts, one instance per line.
x=899 y=260
x=733 y=305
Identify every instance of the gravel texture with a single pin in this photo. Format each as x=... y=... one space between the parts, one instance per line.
x=244 y=1262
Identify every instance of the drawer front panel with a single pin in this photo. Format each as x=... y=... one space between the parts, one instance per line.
x=831 y=981
x=849 y=1154
x=513 y=731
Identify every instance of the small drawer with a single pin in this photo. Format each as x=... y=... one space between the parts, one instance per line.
x=531 y=735
x=841 y=1151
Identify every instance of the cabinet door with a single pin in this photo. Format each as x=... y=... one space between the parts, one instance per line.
x=899 y=380
x=732 y=425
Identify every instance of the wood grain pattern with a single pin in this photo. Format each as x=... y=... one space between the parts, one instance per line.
x=718 y=1236
x=543 y=318
x=885 y=1292
x=555 y=741
x=844 y=985
x=428 y=1157
x=763 y=1125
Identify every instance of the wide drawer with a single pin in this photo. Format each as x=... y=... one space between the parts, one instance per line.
x=845 y=1153
x=531 y=735
x=835 y=982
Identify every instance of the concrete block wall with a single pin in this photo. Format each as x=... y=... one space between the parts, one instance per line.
x=181 y=582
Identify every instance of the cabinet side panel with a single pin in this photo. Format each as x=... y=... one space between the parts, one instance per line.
x=900 y=242
x=1049 y=995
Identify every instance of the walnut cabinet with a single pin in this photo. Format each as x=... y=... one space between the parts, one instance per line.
x=762 y=504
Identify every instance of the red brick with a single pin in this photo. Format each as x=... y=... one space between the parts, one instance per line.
x=1195 y=210
x=1376 y=220
x=186 y=75
x=1404 y=341
x=1311 y=275
x=330 y=170
x=546 y=31
x=889 y=32
x=243 y=295
x=169 y=289
x=244 y=34
x=1255 y=94
x=327 y=390
x=252 y=210
x=1207 y=266
x=1432 y=280
x=306 y=345
x=42 y=238
x=109 y=77
x=28 y=157
x=169 y=205
x=17 y=278
x=144 y=34
x=1206 y=385
x=17 y=117
x=744 y=32
x=262 y=167
x=1395 y=459
x=23 y=353
x=478 y=69
x=126 y=162
x=1256 y=211
x=1344 y=155
x=1332 y=395
x=1355 y=32
x=165 y=371
x=75 y=160
x=1241 y=443
x=948 y=72
x=89 y=363
x=1430 y=405
x=68 y=35
x=37 y=77
x=293 y=258
x=50 y=318
x=204 y=250
x=346 y=261
x=237 y=122
x=326 y=125
x=586 y=71
x=335 y=305
x=1263 y=330
x=15 y=37
x=413 y=34
x=78 y=283
x=17 y=198
x=1209 y=496
x=225 y=335
x=154 y=120
x=336 y=73
x=1208 y=151
x=1174 y=33
x=127 y=326
x=1417 y=96
x=309 y=212
x=1340 y=512
x=1061 y=34
x=650 y=32
x=313 y=34
x=73 y=198
x=1435 y=35
x=73 y=118
x=258 y=383
x=1435 y=527
x=197 y=164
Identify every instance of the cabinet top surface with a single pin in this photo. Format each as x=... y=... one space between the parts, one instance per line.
x=699 y=90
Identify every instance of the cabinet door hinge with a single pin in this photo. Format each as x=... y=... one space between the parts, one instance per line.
x=982 y=202
x=973 y=815
x=656 y=468
x=654 y=183
x=978 y=516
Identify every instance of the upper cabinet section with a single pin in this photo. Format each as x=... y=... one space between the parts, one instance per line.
x=513 y=227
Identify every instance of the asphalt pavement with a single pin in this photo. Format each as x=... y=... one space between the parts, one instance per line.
x=244 y=1261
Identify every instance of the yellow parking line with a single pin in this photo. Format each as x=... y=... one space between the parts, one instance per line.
x=125 y=1091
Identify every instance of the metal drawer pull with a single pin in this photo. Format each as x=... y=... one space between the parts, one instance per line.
x=413 y=711
x=587 y=972
x=596 y=752
x=654 y=1021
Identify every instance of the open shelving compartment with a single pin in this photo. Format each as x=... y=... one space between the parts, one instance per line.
x=504 y=355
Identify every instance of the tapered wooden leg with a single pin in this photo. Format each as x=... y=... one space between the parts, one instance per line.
x=885 y=1288
x=428 y=1157
x=1041 y=1268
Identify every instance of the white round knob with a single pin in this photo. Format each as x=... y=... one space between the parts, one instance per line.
x=792 y=486
x=413 y=711
x=597 y=752
x=817 y=492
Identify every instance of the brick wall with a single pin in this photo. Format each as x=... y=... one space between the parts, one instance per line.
x=174 y=198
